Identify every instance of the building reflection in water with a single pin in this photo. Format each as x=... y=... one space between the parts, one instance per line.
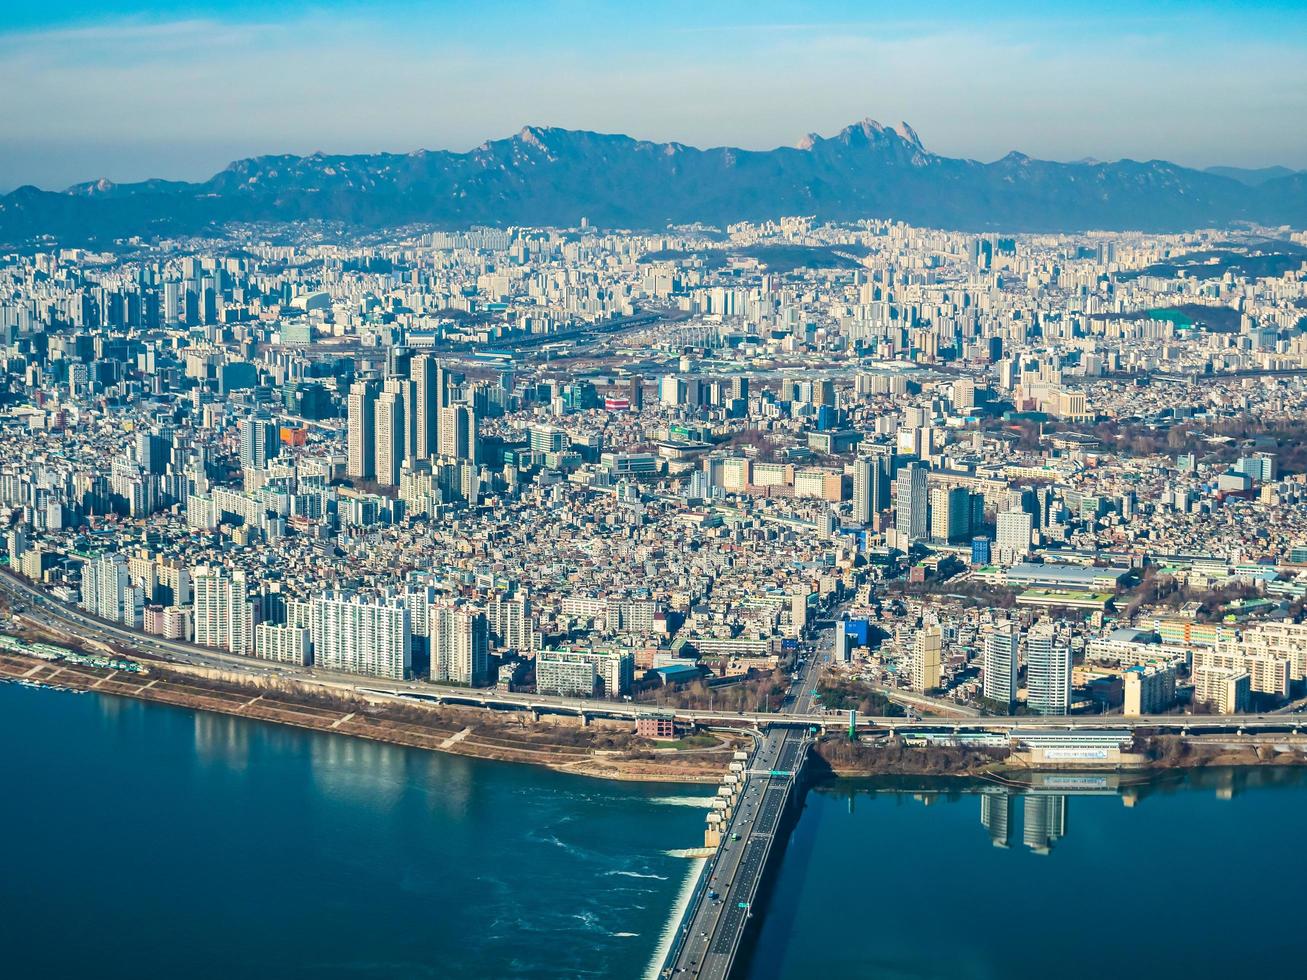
x=221 y=738
x=996 y=817
x=1043 y=818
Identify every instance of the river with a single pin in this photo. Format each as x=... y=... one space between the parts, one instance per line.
x=1192 y=876
x=146 y=841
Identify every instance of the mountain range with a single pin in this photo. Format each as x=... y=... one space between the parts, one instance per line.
x=546 y=176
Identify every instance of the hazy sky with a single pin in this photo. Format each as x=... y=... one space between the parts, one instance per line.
x=128 y=90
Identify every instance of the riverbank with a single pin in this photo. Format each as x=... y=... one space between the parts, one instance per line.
x=602 y=750
x=837 y=757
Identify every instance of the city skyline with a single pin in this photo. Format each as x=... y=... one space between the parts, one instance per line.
x=129 y=90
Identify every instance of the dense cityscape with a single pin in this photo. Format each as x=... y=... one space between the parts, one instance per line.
x=1041 y=473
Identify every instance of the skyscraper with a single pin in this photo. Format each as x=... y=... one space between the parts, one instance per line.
x=390 y=438
x=911 y=518
x=430 y=392
x=1000 y=665
x=260 y=441
x=361 y=434
x=1048 y=671
x=870 y=487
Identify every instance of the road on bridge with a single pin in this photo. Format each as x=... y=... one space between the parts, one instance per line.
x=715 y=923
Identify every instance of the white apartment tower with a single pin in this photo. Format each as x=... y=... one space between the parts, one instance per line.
x=1000 y=665
x=223 y=617
x=1048 y=671
x=360 y=635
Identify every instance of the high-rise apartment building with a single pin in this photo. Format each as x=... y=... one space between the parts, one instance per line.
x=871 y=478
x=926 y=650
x=458 y=433
x=361 y=434
x=460 y=646
x=1001 y=665
x=1048 y=671
x=260 y=441
x=429 y=395
x=1012 y=542
x=107 y=591
x=361 y=635
x=224 y=618
x=390 y=438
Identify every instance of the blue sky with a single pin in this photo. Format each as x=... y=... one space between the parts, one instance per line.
x=126 y=89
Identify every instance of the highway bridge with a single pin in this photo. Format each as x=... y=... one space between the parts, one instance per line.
x=713 y=927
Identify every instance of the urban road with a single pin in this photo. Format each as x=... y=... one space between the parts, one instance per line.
x=41 y=608
x=712 y=929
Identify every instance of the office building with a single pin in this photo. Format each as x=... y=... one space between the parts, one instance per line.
x=911 y=518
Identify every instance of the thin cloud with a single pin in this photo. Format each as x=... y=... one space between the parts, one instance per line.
x=206 y=91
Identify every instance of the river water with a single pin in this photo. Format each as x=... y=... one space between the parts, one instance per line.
x=145 y=841
x=1192 y=876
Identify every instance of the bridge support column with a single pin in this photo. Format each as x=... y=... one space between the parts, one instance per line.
x=585 y=720
x=535 y=714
